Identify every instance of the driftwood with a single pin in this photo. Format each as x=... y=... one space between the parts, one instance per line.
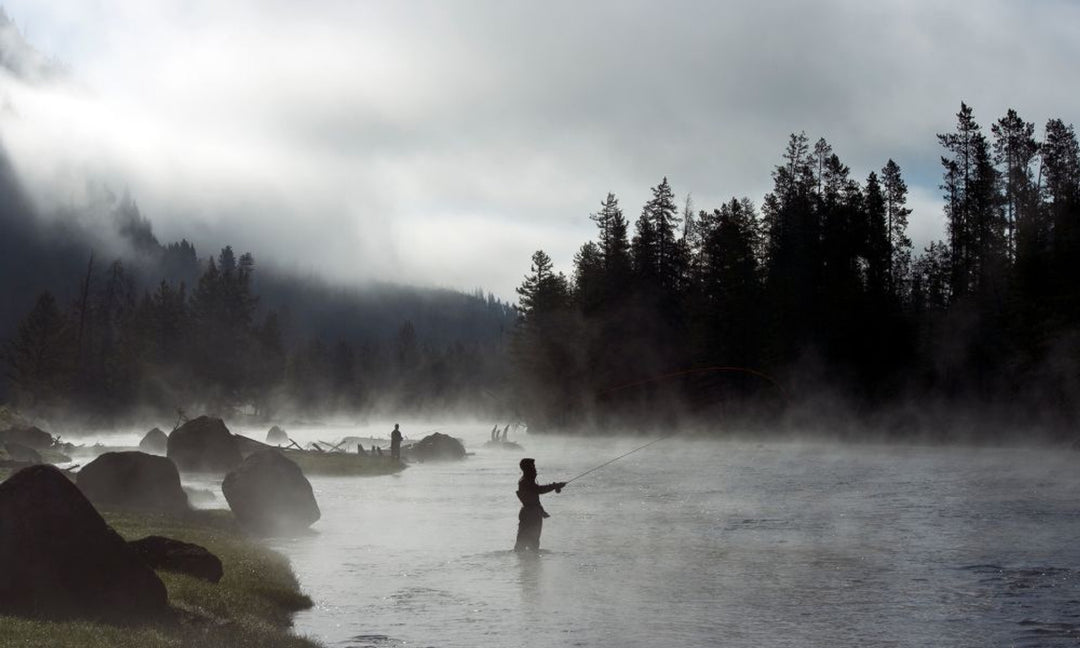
x=297 y=445
x=181 y=418
x=334 y=447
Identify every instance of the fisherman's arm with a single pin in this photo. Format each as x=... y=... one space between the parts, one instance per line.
x=553 y=486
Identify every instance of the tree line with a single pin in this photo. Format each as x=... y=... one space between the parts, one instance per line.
x=818 y=296
x=118 y=350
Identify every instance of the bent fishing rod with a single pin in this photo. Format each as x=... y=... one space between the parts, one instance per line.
x=625 y=454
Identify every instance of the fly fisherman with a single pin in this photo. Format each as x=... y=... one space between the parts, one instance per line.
x=395 y=443
x=531 y=516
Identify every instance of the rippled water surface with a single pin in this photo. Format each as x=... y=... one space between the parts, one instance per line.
x=697 y=543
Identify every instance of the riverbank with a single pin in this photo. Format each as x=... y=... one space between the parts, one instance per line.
x=252 y=605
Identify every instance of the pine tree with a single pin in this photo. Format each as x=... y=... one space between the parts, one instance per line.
x=614 y=248
x=730 y=283
x=588 y=288
x=1061 y=170
x=896 y=222
x=38 y=357
x=976 y=232
x=543 y=292
x=793 y=254
x=877 y=248
x=662 y=213
x=643 y=255
x=1015 y=150
x=545 y=346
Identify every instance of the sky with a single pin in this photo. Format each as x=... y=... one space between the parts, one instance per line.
x=441 y=143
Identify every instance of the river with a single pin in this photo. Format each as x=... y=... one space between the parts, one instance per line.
x=700 y=543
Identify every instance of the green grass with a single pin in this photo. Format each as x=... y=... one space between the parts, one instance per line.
x=342 y=464
x=251 y=606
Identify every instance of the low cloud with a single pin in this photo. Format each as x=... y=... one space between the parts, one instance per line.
x=442 y=143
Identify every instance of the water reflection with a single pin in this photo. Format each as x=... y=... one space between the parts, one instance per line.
x=530 y=570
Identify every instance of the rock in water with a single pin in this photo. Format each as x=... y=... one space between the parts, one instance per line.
x=276 y=436
x=133 y=480
x=60 y=560
x=21 y=453
x=29 y=436
x=176 y=556
x=249 y=446
x=204 y=445
x=155 y=441
x=438 y=447
x=268 y=493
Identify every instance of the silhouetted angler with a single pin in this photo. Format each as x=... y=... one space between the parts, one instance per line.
x=531 y=516
x=395 y=443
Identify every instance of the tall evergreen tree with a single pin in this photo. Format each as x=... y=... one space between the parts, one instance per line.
x=793 y=244
x=1061 y=170
x=975 y=226
x=588 y=288
x=663 y=214
x=545 y=346
x=39 y=355
x=1015 y=150
x=877 y=246
x=614 y=249
x=894 y=192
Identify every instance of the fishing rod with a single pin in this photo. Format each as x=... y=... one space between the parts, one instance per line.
x=625 y=454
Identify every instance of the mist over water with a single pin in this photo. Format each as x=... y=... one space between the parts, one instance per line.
x=692 y=543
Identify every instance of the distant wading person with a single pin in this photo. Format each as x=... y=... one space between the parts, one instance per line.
x=531 y=516
x=395 y=443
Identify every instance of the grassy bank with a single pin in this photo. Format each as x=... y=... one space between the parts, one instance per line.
x=252 y=606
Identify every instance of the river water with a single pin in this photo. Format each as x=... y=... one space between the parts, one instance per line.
x=701 y=543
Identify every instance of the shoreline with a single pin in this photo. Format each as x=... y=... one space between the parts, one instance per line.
x=253 y=604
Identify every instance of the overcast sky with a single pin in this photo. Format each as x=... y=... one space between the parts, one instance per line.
x=443 y=142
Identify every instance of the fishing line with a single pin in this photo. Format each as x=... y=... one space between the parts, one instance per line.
x=626 y=454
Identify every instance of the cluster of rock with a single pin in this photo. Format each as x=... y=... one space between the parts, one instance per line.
x=133 y=480
x=26 y=445
x=437 y=447
x=20 y=454
x=155 y=442
x=269 y=494
x=276 y=436
x=172 y=555
x=29 y=436
x=204 y=444
x=59 y=559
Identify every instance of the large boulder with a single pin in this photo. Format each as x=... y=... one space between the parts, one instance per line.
x=276 y=436
x=269 y=494
x=249 y=446
x=133 y=480
x=155 y=442
x=60 y=560
x=438 y=447
x=21 y=453
x=30 y=436
x=204 y=445
x=176 y=556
